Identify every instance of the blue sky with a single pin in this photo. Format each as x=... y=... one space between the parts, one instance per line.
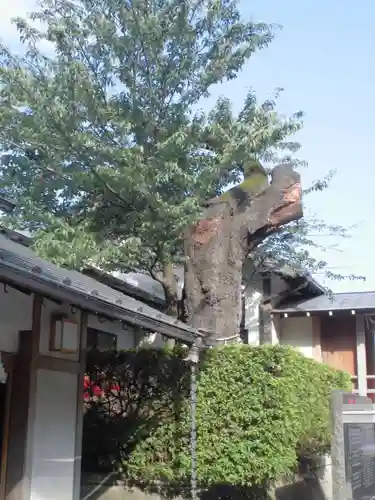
x=324 y=59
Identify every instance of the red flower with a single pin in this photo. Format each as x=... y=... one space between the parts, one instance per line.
x=92 y=389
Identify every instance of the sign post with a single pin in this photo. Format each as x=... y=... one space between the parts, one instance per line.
x=353 y=447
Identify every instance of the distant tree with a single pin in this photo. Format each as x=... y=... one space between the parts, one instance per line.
x=103 y=146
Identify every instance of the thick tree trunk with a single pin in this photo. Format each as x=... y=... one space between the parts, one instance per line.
x=169 y=284
x=217 y=246
x=215 y=252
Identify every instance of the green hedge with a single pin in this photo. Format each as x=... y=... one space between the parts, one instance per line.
x=258 y=408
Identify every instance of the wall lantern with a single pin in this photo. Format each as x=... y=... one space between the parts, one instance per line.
x=64 y=334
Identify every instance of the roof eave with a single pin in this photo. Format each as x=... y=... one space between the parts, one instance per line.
x=323 y=310
x=123 y=286
x=6 y=205
x=95 y=305
x=316 y=285
x=15 y=236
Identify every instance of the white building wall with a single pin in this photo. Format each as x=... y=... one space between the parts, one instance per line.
x=16 y=313
x=52 y=462
x=298 y=332
x=253 y=294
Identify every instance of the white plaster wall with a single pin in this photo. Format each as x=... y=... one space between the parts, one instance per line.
x=252 y=300
x=253 y=293
x=298 y=332
x=53 y=436
x=15 y=314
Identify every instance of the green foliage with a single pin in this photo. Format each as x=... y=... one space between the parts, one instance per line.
x=142 y=389
x=100 y=135
x=103 y=146
x=258 y=409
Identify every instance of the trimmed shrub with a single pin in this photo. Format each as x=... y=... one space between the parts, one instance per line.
x=258 y=408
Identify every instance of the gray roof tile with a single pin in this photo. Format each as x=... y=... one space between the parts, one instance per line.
x=338 y=301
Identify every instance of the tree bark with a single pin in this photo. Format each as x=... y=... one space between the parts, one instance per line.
x=218 y=245
x=169 y=284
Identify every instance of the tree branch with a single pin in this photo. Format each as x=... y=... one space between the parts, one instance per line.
x=275 y=206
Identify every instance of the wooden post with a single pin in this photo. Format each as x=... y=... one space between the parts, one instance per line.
x=361 y=355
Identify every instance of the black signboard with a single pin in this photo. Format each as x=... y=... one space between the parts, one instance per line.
x=359 y=442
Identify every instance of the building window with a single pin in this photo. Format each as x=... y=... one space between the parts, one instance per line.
x=101 y=341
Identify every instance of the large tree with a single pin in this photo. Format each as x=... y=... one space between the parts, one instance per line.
x=104 y=147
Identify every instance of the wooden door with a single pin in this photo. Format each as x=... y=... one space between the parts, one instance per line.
x=339 y=344
x=370 y=354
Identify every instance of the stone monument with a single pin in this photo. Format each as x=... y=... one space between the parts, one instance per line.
x=353 y=447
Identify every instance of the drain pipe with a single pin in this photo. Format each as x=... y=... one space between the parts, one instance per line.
x=193 y=360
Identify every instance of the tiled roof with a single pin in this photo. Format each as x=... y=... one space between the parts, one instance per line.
x=23 y=267
x=288 y=271
x=338 y=301
x=144 y=284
